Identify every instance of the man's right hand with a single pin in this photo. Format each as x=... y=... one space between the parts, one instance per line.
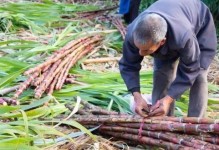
x=141 y=106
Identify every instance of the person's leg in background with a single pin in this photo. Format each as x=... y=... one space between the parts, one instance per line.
x=164 y=74
x=133 y=11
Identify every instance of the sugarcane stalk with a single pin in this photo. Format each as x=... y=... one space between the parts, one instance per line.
x=146 y=140
x=195 y=139
x=101 y=60
x=119 y=118
x=25 y=84
x=80 y=111
x=43 y=86
x=8 y=90
x=96 y=11
x=177 y=127
x=74 y=76
x=161 y=136
x=118 y=24
x=72 y=81
x=46 y=68
x=2 y=102
x=52 y=85
x=51 y=75
x=42 y=77
x=106 y=118
x=213 y=139
x=193 y=120
x=206 y=138
x=66 y=50
x=10 y=101
x=99 y=110
x=76 y=58
x=72 y=62
x=65 y=69
x=61 y=77
x=165 y=120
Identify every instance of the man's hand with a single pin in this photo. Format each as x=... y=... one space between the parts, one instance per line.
x=161 y=108
x=141 y=106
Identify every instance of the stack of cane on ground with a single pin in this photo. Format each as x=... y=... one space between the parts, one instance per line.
x=53 y=73
x=166 y=132
x=117 y=22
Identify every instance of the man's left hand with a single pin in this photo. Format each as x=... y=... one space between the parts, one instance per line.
x=161 y=108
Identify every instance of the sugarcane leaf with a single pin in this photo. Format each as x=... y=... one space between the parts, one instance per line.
x=12 y=63
x=6 y=109
x=18 y=143
x=37 y=103
x=25 y=122
x=110 y=105
x=75 y=134
x=9 y=78
x=67 y=30
x=76 y=125
x=38 y=112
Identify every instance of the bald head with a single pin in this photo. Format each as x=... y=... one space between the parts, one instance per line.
x=150 y=27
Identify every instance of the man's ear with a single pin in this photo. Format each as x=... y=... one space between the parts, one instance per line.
x=163 y=41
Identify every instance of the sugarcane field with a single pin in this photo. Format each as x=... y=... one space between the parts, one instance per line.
x=109 y=74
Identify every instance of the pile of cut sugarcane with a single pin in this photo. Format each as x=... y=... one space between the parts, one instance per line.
x=53 y=73
x=165 y=132
x=117 y=22
x=95 y=13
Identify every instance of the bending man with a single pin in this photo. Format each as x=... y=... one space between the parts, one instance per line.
x=181 y=39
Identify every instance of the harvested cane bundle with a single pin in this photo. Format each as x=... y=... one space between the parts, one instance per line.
x=165 y=132
x=117 y=22
x=51 y=74
x=93 y=14
x=119 y=25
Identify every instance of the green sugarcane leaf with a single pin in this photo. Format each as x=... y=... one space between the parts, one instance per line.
x=12 y=63
x=9 y=78
x=76 y=125
x=19 y=143
x=7 y=109
x=25 y=122
x=37 y=103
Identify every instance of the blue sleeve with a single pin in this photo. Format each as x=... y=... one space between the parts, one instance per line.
x=130 y=65
x=124 y=6
x=188 y=69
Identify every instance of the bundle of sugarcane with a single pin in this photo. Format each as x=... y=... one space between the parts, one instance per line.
x=117 y=22
x=165 y=132
x=52 y=74
x=92 y=14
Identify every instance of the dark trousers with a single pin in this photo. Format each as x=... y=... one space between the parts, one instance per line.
x=133 y=11
x=165 y=73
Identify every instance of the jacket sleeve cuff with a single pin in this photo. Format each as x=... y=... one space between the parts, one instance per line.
x=173 y=95
x=136 y=89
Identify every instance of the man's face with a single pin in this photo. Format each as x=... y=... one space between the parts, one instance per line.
x=148 y=48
